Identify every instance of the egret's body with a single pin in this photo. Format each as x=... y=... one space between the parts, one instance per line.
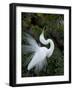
x=38 y=59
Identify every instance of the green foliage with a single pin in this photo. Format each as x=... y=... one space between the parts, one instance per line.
x=53 y=25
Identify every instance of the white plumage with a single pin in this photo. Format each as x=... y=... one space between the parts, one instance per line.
x=38 y=60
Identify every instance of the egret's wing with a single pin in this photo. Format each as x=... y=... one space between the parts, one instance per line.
x=34 y=61
x=31 y=41
x=32 y=44
x=37 y=58
x=28 y=49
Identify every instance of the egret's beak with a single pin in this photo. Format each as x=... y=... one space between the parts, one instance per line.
x=43 y=32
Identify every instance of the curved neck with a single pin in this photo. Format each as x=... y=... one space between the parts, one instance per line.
x=45 y=42
x=51 y=49
x=51 y=44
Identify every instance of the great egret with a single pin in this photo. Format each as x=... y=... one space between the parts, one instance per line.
x=39 y=54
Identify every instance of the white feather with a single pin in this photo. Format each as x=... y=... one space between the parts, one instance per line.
x=31 y=41
x=39 y=56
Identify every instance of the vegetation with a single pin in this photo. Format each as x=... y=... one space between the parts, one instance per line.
x=53 y=25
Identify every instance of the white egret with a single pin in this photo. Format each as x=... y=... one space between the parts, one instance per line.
x=38 y=58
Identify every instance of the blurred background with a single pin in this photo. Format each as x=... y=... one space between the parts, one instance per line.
x=53 y=25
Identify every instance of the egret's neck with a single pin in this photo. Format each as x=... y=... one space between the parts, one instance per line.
x=45 y=42
x=51 y=49
x=51 y=44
